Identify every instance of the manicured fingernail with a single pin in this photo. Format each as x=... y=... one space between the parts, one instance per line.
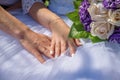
x=56 y=56
x=80 y=43
x=44 y=62
x=72 y=54
x=62 y=54
x=51 y=52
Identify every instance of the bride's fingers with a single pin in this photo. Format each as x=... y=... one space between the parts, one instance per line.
x=72 y=48
x=32 y=50
x=63 y=46
x=57 y=49
x=77 y=42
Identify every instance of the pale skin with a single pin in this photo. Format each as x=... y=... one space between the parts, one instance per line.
x=39 y=44
x=60 y=30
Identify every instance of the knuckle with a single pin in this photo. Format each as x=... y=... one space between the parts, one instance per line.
x=35 y=42
x=57 y=46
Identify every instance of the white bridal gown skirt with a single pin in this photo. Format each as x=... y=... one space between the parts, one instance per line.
x=100 y=61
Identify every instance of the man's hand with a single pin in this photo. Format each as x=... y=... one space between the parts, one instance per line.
x=35 y=43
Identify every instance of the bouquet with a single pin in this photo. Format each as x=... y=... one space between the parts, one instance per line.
x=98 y=20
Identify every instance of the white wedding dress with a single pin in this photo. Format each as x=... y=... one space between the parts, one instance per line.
x=99 y=61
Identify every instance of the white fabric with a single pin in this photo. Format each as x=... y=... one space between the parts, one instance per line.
x=100 y=61
x=7 y=2
x=27 y=4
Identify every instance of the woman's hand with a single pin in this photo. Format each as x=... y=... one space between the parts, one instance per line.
x=60 y=40
x=37 y=44
x=60 y=31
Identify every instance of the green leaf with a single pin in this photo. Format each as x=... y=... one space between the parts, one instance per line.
x=78 y=32
x=77 y=4
x=46 y=3
x=78 y=26
x=95 y=39
x=74 y=16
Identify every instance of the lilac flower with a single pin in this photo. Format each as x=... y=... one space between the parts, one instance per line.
x=84 y=15
x=111 y=4
x=115 y=37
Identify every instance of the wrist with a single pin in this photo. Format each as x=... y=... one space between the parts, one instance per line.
x=20 y=34
x=54 y=23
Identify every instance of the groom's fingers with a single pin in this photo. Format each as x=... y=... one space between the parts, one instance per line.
x=52 y=47
x=32 y=50
x=45 y=51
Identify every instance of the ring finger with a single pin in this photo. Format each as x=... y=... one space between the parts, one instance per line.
x=57 y=49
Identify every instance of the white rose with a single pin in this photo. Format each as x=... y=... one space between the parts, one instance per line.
x=114 y=17
x=98 y=12
x=101 y=29
x=94 y=1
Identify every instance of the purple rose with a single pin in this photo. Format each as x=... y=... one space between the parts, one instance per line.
x=115 y=37
x=111 y=4
x=84 y=15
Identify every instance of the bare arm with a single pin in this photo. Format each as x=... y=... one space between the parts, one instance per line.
x=42 y=15
x=35 y=43
x=60 y=30
x=11 y=25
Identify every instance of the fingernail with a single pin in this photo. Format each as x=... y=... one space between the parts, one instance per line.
x=56 y=56
x=44 y=62
x=72 y=54
x=62 y=54
x=80 y=43
x=51 y=52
